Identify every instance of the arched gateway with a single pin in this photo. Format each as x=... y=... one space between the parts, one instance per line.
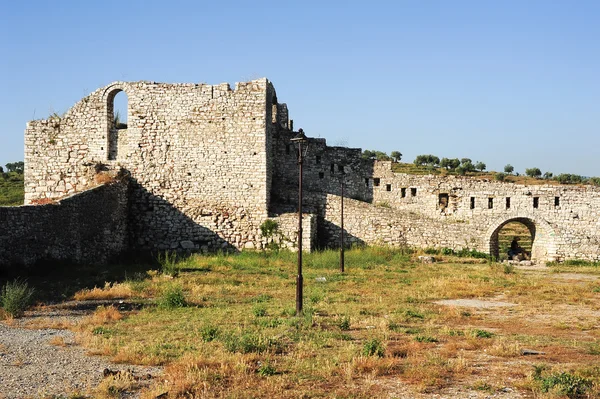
x=542 y=235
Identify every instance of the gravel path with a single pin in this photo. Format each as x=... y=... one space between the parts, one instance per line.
x=30 y=366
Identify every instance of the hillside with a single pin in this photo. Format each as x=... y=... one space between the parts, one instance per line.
x=11 y=189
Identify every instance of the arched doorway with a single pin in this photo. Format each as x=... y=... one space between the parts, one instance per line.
x=535 y=236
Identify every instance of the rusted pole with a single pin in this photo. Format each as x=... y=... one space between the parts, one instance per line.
x=342 y=227
x=299 y=278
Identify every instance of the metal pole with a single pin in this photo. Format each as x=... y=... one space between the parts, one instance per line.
x=342 y=229
x=299 y=279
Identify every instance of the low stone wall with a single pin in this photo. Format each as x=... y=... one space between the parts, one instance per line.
x=89 y=227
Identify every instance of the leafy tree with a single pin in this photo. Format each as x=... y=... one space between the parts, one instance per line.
x=594 y=181
x=533 y=172
x=378 y=155
x=382 y=156
x=566 y=178
x=1 y=170
x=508 y=168
x=500 y=176
x=396 y=156
x=429 y=160
x=480 y=166
x=465 y=160
x=368 y=154
x=467 y=166
x=548 y=175
x=16 y=167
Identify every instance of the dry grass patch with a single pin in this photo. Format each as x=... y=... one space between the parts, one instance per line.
x=58 y=341
x=110 y=291
x=239 y=335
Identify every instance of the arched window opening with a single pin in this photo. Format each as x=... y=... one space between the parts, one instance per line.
x=514 y=240
x=117 y=112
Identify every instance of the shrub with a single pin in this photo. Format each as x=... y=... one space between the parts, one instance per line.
x=173 y=297
x=566 y=384
x=500 y=176
x=16 y=297
x=344 y=323
x=209 y=333
x=481 y=334
x=373 y=347
x=259 y=311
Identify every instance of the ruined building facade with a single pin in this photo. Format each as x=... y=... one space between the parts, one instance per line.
x=200 y=167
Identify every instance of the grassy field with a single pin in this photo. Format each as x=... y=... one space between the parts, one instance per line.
x=225 y=326
x=11 y=189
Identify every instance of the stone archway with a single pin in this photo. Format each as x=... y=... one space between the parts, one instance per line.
x=542 y=235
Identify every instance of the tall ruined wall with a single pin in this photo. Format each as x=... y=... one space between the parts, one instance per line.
x=461 y=212
x=198 y=155
x=90 y=227
x=324 y=167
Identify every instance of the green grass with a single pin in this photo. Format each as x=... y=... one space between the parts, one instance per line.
x=377 y=320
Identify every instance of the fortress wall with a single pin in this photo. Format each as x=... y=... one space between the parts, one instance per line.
x=566 y=219
x=323 y=170
x=89 y=227
x=197 y=154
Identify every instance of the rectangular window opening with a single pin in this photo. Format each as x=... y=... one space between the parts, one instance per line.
x=472 y=203
x=413 y=192
x=556 y=201
x=376 y=181
x=341 y=168
x=490 y=203
x=287 y=149
x=388 y=187
x=536 y=202
x=332 y=167
x=403 y=192
x=318 y=159
x=507 y=202
x=321 y=175
x=366 y=182
x=443 y=200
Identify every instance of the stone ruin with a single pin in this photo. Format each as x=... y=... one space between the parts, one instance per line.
x=200 y=167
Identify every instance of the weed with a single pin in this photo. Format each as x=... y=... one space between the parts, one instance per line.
x=344 y=323
x=259 y=311
x=509 y=268
x=16 y=297
x=100 y=330
x=168 y=263
x=477 y=333
x=172 y=297
x=373 y=347
x=251 y=342
x=563 y=383
x=425 y=338
x=209 y=333
x=266 y=369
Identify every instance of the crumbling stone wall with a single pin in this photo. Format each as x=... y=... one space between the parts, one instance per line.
x=199 y=157
x=90 y=227
x=209 y=164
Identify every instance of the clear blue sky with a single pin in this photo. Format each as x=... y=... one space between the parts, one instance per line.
x=497 y=81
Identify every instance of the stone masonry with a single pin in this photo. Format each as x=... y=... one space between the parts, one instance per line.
x=207 y=165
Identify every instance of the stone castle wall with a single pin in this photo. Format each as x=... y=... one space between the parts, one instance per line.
x=198 y=155
x=90 y=227
x=208 y=165
x=464 y=212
